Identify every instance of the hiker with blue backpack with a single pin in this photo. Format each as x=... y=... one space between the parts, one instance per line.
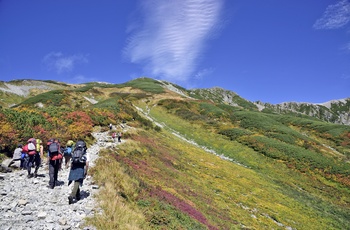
x=78 y=170
x=67 y=153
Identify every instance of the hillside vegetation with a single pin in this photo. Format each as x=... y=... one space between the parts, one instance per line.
x=200 y=159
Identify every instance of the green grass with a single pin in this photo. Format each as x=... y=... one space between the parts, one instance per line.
x=274 y=174
x=221 y=189
x=210 y=165
x=53 y=97
x=146 y=84
x=110 y=103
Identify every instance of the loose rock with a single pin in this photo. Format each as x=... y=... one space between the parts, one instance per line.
x=27 y=203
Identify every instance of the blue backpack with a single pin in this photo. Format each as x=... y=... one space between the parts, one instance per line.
x=67 y=151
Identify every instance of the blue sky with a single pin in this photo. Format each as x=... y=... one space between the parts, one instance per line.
x=273 y=51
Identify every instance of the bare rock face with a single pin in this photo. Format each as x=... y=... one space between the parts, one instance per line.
x=335 y=111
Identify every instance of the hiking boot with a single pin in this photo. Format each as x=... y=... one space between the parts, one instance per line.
x=35 y=175
x=30 y=176
x=78 y=196
x=70 y=200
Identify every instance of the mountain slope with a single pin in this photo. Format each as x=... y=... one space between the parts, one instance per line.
x=197 y=159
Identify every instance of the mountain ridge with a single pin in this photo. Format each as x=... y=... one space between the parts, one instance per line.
x=335 y=111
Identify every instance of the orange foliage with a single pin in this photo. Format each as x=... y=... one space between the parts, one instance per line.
x=7 y=134
x=79 y=116
x=80 y=126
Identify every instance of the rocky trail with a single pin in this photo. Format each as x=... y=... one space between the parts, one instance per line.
x=28 y=203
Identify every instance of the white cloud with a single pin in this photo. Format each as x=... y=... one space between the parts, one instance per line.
x=335 y=16
x=60 y=63
x=172 y=36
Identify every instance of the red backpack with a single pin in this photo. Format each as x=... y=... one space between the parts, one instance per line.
x=54 y=149
x=30 y=147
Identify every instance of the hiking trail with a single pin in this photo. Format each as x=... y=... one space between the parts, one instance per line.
x=28 y=203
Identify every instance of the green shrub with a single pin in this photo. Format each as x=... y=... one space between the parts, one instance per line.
x=53 y=97
x=211 y=110
x=110 y=103
x=301 y=157
x=235 y=133
x=146 y=84
x=188 y=115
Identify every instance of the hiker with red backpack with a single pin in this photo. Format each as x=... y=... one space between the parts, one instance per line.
x=114 y=135
x=54 y=160
x=30 y=150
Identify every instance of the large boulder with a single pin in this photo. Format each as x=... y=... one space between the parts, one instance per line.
x=6 y=162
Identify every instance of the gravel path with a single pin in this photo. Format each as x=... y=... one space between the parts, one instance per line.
x=30 y=204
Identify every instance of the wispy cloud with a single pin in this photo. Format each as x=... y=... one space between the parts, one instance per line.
x=172 y=36
x=61 y=63
x=335 y=16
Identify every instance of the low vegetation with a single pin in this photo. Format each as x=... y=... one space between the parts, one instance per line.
x=196 y=163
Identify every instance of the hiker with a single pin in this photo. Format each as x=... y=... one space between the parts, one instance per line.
x=54 y=160
x=78 y=170
x=24 y=160
x=30 y=150
x=17 y=156
x=110 y=126
x=119 y=136
x=67 y=153
x=114 y=135
x=37 y=157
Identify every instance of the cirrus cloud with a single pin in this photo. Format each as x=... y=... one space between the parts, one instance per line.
x=172 y=36
x=61 y=63
x=335 y=16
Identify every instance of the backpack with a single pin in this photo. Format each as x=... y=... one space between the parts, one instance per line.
x=54 y=149
x=69 y=148
x=67 y=151
x=31 y=146
x=79 y=153
x=25 y=148
x=113 y=135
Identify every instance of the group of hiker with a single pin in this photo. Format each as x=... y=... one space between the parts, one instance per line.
x=115 y=134
x=75 y=157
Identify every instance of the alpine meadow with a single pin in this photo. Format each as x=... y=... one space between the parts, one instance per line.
x=194 y=159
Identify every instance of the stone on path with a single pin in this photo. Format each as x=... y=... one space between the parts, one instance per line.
x=27 y=203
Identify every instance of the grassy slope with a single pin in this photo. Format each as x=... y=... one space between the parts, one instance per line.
x=159 y=181
x=266 y=187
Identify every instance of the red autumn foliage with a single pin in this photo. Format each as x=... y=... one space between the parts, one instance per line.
x=181 y=205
